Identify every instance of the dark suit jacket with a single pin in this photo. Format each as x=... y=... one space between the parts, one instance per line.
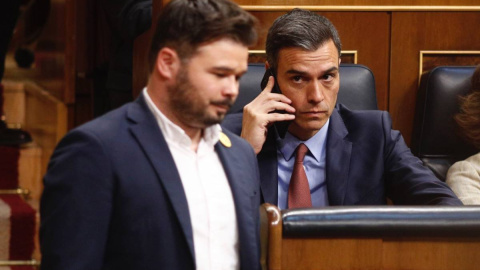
x=366 y=162
x=113 y=198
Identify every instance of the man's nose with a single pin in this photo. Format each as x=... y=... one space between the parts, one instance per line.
x=316 y=92
x=232 y=86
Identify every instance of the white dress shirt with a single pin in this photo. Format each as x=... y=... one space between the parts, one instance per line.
x=209 y=197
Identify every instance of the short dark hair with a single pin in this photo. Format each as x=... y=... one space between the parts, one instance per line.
x=469 y=117
x=299 y=29
x=186 y=24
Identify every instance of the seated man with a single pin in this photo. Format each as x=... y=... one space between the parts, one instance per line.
x=352 y=157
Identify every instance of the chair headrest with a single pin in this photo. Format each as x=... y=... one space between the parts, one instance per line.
x=435 y=133
x=357 y=87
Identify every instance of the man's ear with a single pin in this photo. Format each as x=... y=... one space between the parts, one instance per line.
x=267 y=65
x=339 y=61
x=167 y=63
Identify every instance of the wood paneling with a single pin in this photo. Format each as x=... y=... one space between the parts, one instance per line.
x=413 y=32
x=331 y=254
x=453 y=254
x=45 y=119
x=140 y=62
x=260 y=57
x=432 y=59
x=378 y=253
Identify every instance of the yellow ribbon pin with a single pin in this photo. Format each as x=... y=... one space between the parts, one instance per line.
x=225 y=140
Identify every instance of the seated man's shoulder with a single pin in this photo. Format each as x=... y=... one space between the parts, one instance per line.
x=234 y=141
x=347 y=113
x=233 y=122
x=363 y=119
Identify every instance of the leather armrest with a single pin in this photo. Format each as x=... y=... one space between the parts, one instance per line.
x=382 y=221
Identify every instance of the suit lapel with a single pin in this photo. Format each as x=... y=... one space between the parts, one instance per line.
x=242 y=196
x=267 y=163
x=338 y=159
x=147 y=132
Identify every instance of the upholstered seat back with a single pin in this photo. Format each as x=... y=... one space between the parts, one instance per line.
x=436 y=140
x=357 y=87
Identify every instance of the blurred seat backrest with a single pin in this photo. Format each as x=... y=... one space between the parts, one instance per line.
x=436 y=140
x=357 y=87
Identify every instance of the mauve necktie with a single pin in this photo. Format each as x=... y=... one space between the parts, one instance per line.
x=299 y=190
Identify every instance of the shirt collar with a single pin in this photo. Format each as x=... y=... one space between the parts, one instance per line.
x=315 y=144
x=173 y=133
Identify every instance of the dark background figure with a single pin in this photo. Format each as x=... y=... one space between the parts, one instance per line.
x=9 y=13
x=127 y=19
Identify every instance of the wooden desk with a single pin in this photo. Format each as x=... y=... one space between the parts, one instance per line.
x=433 y=243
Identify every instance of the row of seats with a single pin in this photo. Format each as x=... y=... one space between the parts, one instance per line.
x=435 y=139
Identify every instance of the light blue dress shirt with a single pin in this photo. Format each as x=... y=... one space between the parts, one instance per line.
x=314 y=164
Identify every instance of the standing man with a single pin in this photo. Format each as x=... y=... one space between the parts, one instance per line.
x=349 y=157
x=156 y=184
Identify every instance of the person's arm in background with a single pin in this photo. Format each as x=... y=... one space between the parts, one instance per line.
x=464 y=179
x=409 y=182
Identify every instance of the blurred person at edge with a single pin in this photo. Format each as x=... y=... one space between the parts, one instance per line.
x=157 y=183
x=464 y=176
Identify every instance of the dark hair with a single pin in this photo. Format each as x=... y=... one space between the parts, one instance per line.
x=299 y=28
x=186 y=24
x=469 y=117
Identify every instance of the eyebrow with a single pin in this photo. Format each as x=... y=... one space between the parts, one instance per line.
x=298 y=72
x=228 y=69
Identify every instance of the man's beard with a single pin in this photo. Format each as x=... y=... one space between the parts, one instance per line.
x=189 y=106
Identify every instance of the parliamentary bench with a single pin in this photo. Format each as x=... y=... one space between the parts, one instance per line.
x=371 y=237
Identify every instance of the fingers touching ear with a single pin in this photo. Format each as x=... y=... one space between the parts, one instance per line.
x=167 y=62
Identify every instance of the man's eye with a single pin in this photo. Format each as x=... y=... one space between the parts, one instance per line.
x=328 y=77
x=297 y=78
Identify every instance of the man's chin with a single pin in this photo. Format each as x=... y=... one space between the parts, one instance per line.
x=210 y=121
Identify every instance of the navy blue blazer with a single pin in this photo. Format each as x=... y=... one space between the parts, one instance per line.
x=366 y=163
x=113 y=198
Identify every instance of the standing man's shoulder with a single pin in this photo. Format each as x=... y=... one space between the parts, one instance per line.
x=108 y=123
